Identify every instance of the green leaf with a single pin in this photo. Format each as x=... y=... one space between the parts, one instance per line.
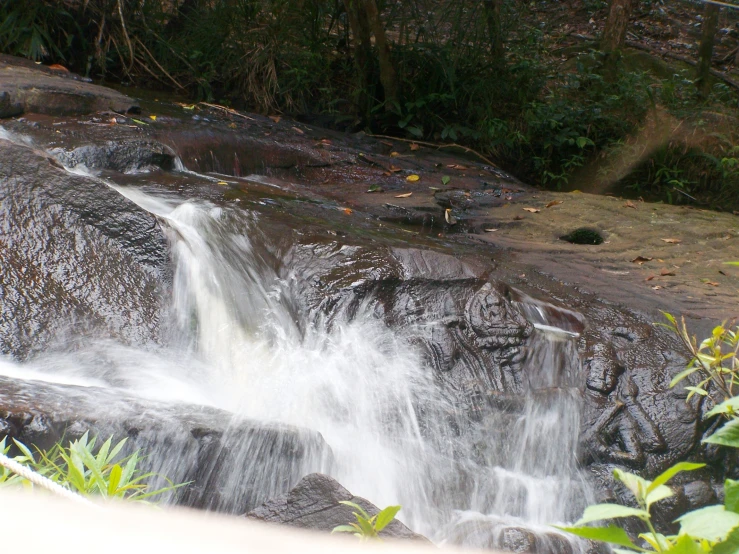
x=728 y=546
x=660 y=493
x=670 y=472
x=344 y=529
x=114 y=479
x=731 y=263
x=611 y=534
x=726 y=407
x=731 y=495
x=712 y=523
x=599 y=512
x=685 y=544
x=385 y=517
x=445 y=180
x=634 y=483
x=728 y=435
x=657 y=541
x=356 y=506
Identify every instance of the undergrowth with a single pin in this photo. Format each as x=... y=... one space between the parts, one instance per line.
x=554 y=116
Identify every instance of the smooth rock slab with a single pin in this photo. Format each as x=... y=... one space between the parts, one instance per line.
x=314 y=504
x=25 y=88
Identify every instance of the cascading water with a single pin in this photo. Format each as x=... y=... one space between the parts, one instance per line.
x=236 y=342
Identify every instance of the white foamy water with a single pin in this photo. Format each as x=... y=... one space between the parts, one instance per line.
x=236 y=343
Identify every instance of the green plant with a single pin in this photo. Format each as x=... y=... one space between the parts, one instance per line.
x=367 y=527
x=713 y=529
x=87 y=470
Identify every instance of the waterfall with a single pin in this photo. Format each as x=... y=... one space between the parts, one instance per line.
x=235 y=341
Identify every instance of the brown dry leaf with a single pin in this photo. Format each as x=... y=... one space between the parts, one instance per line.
x=394 y=154
x=532 y=210
x=650 y=277
x=394 y=168
x=667 y=273
x=555 y=203
x=450 y=219
x=275 y=118
x=230 y=125
x=490 y=230
x=712 y=283
x=458 y=167
x=629 y=204
x=414 y=146
x=58 y=67
x=656 y=287
x=671 y=241
x=412 y=178
x=348 y=211
x=298 y=130
x=518 y=218
x=406 y=195
x=640 y=260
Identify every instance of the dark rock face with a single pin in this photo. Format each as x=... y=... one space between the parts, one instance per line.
x=73 y=250
x=183 y=442
x=29 y=89
x=314 y=504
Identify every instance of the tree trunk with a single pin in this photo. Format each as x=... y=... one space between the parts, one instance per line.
x=614 y=34
x=388 y=77
x=361 y=35
x=705 y=52
x=495 y=27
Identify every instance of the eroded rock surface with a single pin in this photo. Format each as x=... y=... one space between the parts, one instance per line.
x=314 y=503
x=74 y=252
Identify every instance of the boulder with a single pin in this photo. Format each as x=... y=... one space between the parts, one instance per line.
x=314 y=504
x=25 y=88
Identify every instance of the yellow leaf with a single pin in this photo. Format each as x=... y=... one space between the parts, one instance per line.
x=224 y=183
x=412 y=178
x=394 y=154
x=406 y=195
x=153 y=117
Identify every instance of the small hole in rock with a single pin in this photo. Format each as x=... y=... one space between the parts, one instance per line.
x=583 y=236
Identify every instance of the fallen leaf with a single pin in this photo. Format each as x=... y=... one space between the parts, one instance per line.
x=722 y=273
x=153 y=117
x=650 y=277
x=275 y=118
x=445 y=180
x=298 y=130
x=450 y=219
x=394 y=154
x=457 y=167
x=348 y=211
x=667 y=273
x=394 y=168
x=232 y=125
x=532 y=210
x=406 y=195
x=629 y=204
x=640 y=260
x=325 y=141
x=375 y=188
x=490 y=230
x=58 y=67
x=414 y=146
x=554 y=203
x=412 y=178
x=518 y=218
x=712 y=283
x=656 y=287
x=224 y=183
x=671 y=241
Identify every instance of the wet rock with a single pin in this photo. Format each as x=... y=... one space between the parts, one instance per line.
x=26 y=89
x=207 y=447
x=124 y=156
x=314 y=504
x=74 y=251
